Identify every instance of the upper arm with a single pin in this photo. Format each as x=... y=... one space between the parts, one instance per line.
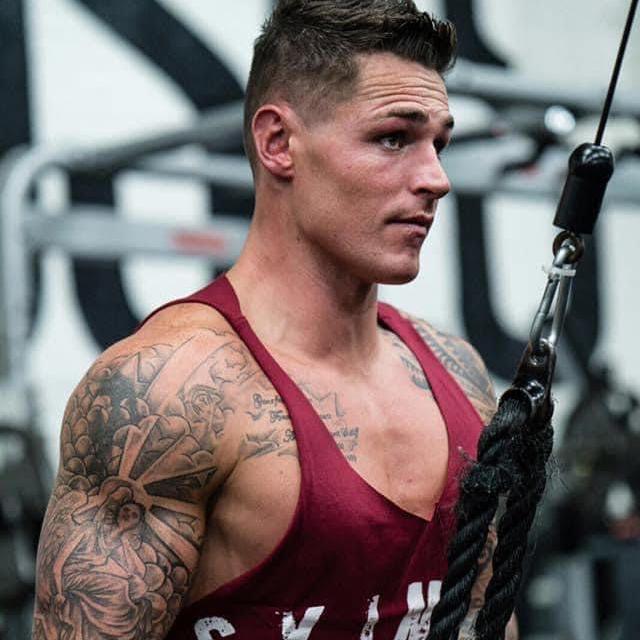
x=144 y=444
x=465 y=364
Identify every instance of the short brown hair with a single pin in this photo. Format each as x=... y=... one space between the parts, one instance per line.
x=307 y=48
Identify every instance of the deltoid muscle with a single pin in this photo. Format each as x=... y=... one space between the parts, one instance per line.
x=125 y=523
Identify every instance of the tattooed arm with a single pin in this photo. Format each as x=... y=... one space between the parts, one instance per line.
x=140 y=455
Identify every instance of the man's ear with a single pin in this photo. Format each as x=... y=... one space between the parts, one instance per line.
x=271 y=129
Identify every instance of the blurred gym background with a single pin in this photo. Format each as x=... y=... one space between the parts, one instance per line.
x=123 y=185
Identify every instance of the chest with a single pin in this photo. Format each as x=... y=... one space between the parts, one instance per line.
x=386 y=425
x=381 y=434
x=386 y=438
x=391 y=432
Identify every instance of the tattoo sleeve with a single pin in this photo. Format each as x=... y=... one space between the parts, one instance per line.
x=126 y=520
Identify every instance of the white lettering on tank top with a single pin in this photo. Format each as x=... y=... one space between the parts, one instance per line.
x=414 y=626
x=372 y=618
x=416 y=622
x=302 y=631
x=205 y=626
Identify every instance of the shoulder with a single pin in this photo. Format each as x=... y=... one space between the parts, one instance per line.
x=463 y=362
x=161 y=408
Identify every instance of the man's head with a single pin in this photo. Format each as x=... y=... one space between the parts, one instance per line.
x=307 y=54
x=347 y=114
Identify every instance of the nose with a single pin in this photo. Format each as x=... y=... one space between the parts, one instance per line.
x=429 y=177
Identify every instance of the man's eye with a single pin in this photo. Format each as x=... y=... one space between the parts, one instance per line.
x=393 y=141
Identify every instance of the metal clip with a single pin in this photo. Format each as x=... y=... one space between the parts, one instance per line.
x=568 y=249
x=532 y=381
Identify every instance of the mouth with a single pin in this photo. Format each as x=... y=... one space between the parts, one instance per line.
x=419 y=222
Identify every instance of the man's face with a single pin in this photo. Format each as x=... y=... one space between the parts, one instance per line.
x=368 y=177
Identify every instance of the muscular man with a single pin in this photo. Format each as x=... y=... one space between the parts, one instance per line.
x=277 y=456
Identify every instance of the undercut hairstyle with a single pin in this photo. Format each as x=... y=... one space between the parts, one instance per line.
x=307 y=51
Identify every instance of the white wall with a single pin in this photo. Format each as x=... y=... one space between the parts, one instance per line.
x=89 y=88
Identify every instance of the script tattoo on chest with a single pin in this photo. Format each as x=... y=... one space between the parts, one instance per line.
x=273 y=431
x=126 y=520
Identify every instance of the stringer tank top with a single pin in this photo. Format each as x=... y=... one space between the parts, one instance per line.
x=352 y=565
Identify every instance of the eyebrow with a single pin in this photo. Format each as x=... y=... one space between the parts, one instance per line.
x=416 y=116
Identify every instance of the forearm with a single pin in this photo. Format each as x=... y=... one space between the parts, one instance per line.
x=485 y=572
x=467 y=628
x=512 y=629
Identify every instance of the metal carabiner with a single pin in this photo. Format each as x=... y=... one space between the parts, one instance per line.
x=568 y=248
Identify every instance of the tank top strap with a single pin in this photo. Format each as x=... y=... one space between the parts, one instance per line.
x=463 y=421
x=218 y=294
x=221 y=296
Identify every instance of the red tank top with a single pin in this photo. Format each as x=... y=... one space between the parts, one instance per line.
x=353 y=565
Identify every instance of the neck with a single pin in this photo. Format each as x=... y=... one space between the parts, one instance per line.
x=302 y=306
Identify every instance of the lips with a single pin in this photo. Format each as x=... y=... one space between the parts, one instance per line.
x=422 y=220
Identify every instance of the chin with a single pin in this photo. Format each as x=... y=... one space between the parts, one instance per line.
x=398 y=273
x=398 y=278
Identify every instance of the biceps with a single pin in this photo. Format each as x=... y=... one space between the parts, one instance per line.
x=111 y=566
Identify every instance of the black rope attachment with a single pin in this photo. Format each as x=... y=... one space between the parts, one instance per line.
x=512 y=455
x=530 y=450
x=514 y=448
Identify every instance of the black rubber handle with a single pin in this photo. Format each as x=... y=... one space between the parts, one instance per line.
x=590 y=168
